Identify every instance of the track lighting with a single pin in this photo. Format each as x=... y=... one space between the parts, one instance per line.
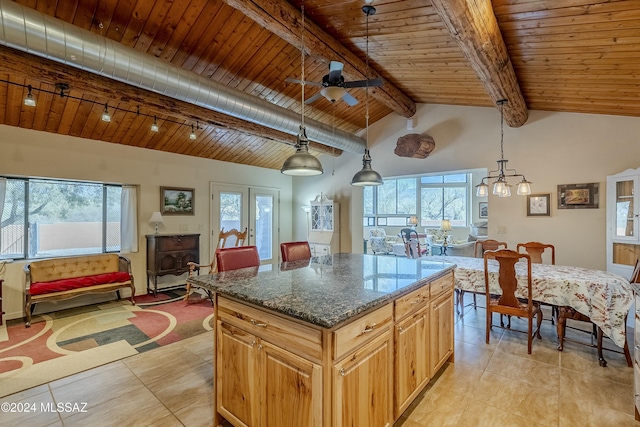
x=29 y=100
x=192 y=135
x=105 y=114
x=154 y=126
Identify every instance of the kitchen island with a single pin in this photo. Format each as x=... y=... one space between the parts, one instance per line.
x=345 y=340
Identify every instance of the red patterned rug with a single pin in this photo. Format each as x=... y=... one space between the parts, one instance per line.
x=66 y=342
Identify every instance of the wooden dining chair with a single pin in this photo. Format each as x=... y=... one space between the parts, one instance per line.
x=231 y=238
x=569 y=313
x=479 y=249
x=507 y=303
x=236 y=258
x=295 y=251
x=536 y=251
x=411 y=243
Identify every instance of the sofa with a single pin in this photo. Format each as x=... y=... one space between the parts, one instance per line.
x=66 y=278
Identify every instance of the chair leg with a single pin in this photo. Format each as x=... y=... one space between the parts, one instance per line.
x=627 y=355
x=488 y=323
x=540 y=316
x=459 y=293
x=475 y=303
x=186 y=296
x=530 y=335
x=560 y=328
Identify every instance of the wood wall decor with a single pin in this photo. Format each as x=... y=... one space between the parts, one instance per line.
x=415 y=146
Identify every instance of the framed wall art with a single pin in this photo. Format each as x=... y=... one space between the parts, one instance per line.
x=483 y=210
x=578 y=196
x=539 y=205
x=176 y=201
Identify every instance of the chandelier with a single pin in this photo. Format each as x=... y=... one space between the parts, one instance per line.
x=501 y=187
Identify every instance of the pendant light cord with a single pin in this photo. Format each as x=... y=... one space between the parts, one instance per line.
x=366 y=93
x=302 y=50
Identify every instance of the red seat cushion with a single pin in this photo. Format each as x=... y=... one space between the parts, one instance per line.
x=40 y=288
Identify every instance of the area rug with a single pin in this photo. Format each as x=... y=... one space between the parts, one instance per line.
x=66 y=342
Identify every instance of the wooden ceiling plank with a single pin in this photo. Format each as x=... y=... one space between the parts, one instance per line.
x=188 y=21
x=139 y=16
x=15 y=97
x=83 y=112
x=281 y=18
x=476 y=30
x=163 y=18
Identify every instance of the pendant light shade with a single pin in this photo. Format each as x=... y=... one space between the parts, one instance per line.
x=367 y=176
x=302 y=163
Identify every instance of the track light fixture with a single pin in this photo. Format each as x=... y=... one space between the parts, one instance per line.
x=154 y=126
x=192 y=135
x=29 y=100
x=106 y=117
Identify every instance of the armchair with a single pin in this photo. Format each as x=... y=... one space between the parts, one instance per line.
x=380 y=242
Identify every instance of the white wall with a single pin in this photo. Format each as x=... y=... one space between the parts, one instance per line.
x=550 y=149
x=38 y=154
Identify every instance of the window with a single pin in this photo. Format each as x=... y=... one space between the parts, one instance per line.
x=48 y=218
x=438 y=197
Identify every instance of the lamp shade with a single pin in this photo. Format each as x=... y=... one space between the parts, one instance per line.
x=413 y=220
x=332 y=93
x=446 y=225
x=302 y=163
x=156 y=218
x=366 y=176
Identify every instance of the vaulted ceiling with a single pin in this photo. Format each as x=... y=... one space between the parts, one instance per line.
x=571 y=55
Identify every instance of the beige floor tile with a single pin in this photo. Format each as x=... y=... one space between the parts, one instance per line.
x=201 y=345
x=519 y=398
x=153 y=365
x=588 y=389
x=168 y=421
x=586 y=414
x=526 y=370
x=33 y=410
x=177 y=389
x=581 y=358
x=135 y=408
x=439 y=406
x=478 y=414
x=476 y=355
x=477 y=336
x=542 y=350
x=198 y=413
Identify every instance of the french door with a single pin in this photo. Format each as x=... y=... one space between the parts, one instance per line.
x=256 y=208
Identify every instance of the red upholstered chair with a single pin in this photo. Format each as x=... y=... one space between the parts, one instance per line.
x=295 y=251
x=237 y=258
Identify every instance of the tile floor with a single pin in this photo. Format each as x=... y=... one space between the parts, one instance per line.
x=488 y=385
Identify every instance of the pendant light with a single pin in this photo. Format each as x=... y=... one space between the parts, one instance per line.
x=29 y=101
x=106 y=117
x=367 y=176
x=302 y=163
x=501 y=187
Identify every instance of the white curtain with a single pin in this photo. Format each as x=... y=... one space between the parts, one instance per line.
x=3 y=192
x=129 y=219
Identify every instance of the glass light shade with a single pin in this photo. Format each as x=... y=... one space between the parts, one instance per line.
x=367 y=176
x=506 y=192
x=498 y=187
x=154 y=126
x=192 y=135
x=302 y=163
x=524 y=188
x=482 y=190
x=332 y=93
x=105 y=114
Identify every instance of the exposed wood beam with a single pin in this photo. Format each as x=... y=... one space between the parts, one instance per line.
x=16 y=62
x=473 y=25
x=282 y=19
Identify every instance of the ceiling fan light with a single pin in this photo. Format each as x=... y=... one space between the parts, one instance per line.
x=332 y=93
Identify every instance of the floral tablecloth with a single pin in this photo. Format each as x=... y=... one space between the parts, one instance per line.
x=604 y=297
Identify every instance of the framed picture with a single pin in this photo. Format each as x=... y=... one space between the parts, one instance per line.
x=578 y=196
x=176 y=201
x=539 y=205
x=483 y=211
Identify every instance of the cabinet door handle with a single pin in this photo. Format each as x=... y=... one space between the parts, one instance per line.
x=259 y=347
x=253 y=343
x=416 y=301
x=254 y=323
x=342 y=372
x=369 y=328
x=400 y=329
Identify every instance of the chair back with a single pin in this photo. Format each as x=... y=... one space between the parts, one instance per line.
x=507 y=278
x=635 y=276
x=235 y=237
x=237 y=257
x=295 y=251
x=407 y=234
x=536 y=249
x=487 y=245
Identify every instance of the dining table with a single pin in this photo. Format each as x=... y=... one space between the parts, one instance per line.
x=602 y=296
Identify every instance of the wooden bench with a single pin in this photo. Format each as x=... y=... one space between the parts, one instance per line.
x=65 y=278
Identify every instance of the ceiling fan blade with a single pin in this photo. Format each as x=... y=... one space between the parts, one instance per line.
x=364 y=83
x=349 y=99
x=335 y=71
x=313 y=98
x=288 y=80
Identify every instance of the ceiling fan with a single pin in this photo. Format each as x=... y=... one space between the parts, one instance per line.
x=334 y=87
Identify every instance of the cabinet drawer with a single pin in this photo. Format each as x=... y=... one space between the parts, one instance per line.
x=176 y=243
x=442 y=285
x=361 y=330
x=411 y=302
x=320 y=249
x=290 y=335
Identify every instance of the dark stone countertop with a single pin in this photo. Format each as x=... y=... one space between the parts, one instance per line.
x=329 y=289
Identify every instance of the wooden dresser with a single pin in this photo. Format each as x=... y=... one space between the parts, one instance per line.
x=169 y=254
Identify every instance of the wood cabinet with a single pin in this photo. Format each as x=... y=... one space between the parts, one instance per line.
x=623 y=227
x=274 y=370
x=169 y=254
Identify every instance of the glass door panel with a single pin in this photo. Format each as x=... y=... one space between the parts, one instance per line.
x=263 y=219
x=625 y=218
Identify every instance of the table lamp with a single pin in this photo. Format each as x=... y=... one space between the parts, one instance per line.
x=156 y=219
x=445 y=226
x=413 y=221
